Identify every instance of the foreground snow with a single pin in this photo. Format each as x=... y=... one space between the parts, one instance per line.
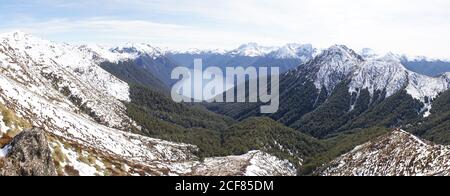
x=4 y=151
x=397 y=154
x=254 y=163
x=3 y=128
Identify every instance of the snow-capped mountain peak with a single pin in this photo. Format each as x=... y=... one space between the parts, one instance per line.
x=252 y=50
x=303 y=52
x=194 y=51
x=368 y=53
x=128 y=51
x=138 y=49
x=341 y=51
x=383 y=74
x=390 y=57
x=332 y=66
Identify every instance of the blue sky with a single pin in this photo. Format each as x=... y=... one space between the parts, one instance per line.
x=416 y=27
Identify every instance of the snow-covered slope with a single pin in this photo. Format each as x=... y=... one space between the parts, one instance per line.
x=419 y=64
x=397 y=154
x=254 y=163
x=380 y=73
x=390 y=75
x=333 y=66
x=4 y=151
x=137 y=50
x=62 y=89
x=66 y=75
x=124 y=52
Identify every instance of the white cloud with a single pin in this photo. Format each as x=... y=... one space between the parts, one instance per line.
x=111 y=31
x=409 y=26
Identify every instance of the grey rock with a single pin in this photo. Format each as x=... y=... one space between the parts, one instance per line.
x=29 y=155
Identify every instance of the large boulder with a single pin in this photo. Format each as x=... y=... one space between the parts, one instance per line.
x=29 y=155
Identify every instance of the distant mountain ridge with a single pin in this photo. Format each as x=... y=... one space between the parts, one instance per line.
x=291 y=55
x=252 y=54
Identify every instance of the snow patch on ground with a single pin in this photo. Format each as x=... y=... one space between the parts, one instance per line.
x=396 y=154
x=4 y=151
x=3 y=128
x=254 y=163
x=262 y=163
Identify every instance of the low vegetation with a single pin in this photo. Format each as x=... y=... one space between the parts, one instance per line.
x=435 y=127
x=341 y=144
x=14 y=124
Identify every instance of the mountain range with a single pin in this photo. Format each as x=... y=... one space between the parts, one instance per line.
x=107 y=111
x=291 y=55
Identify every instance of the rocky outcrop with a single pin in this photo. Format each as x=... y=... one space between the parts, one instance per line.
x=254 y=163
x=28 y=155
x=396 y=154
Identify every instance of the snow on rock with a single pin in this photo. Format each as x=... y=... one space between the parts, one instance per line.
x=3 y=128
x=303 y=52
x=369 y=53
x=254 y=163
x=65 y=74
x=105 y=53
x=333 y=66
x=425 y=88
x=263 y=164
x=29 y=52
x=396 y=154
x=374 y=73
x=4 y=151
x=125 y=52
x=136 y=50
x=379 y=75
x=392 y=76
x=194 y=51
